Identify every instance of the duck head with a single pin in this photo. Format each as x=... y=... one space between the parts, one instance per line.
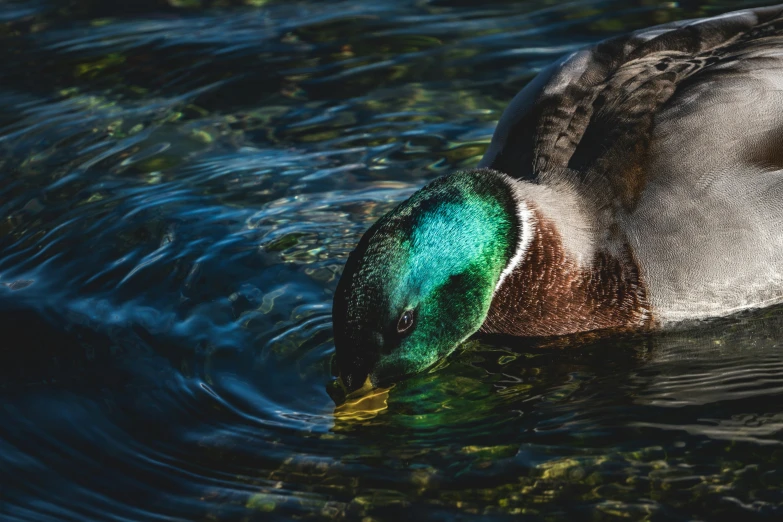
x=422 y=278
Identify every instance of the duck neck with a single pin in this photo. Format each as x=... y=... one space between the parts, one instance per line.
x=559 y=282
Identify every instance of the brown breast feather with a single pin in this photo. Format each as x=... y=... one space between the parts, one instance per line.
x=549 y=294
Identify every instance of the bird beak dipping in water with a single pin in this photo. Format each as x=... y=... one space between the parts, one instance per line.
x=363 y=403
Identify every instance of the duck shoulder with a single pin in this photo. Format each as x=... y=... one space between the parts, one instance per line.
x=593 y=118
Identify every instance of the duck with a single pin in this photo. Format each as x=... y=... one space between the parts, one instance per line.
x=629 y=186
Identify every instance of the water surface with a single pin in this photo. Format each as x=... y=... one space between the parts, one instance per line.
x=180 y=184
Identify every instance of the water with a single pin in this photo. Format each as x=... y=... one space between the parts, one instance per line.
x=181 y=182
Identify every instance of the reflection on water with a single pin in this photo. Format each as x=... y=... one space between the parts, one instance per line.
x=181 y=184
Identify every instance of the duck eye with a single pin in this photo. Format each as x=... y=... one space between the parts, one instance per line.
x=406 y=322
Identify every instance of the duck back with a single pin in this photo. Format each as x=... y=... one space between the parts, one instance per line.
x=673 y=137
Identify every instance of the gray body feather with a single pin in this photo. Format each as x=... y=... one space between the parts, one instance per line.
x=673 y=137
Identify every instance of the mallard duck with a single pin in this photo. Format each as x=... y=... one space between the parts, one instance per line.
x=630 y=185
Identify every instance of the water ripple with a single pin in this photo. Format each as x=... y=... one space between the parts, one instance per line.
x=181 y=184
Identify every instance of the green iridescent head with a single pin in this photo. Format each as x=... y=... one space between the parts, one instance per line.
x=422 y=278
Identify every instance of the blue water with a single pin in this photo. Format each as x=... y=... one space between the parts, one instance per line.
x=180 y=184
